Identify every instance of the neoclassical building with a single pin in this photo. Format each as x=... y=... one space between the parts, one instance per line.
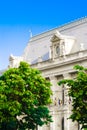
x=54 y=53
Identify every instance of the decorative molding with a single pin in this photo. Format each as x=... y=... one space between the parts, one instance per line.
x=14 y=61
x=81 y=46
x=61 y=28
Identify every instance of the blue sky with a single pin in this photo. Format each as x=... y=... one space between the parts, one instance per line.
x=18 y=17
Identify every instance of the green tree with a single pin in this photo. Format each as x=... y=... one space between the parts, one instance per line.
x=24 y=96
x=78 y=92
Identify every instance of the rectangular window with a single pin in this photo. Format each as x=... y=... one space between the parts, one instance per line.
x=62 y=123
x=63 y=95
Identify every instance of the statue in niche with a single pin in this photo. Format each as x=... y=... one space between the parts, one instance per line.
x=59 y=102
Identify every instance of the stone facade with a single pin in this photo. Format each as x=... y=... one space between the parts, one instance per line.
x=55 y=52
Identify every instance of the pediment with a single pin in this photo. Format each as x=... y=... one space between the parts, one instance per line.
x=56 y=37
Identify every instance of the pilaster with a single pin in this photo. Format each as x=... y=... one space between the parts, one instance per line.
x=67 y=103
x=52 y=125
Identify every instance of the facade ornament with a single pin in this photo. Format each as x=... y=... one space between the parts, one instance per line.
x=39 y=59
x=30 y=33
x=68 y=101
x=63 y=50
x=14 y=61
x=11 y=59
x=60 y=102
x=58 y=33
x=55 y=101
x=50 y=53
x=81 y=46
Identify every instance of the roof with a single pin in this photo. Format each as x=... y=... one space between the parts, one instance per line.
x=39 y=45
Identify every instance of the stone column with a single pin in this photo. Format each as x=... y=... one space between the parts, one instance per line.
x=81 y=50
x=40 y=128
x=66 y=120
x=52 y=125
x=69 y=125
x=53 y=88
x=67 y=110
x=53 y=80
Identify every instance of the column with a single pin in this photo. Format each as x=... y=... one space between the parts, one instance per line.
x=40 y=128
x=52 y=125
x=67 y=110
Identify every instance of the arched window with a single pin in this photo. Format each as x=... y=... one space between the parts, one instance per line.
x=62 y=122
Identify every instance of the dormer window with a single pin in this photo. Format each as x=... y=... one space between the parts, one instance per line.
x=55 y=48
x=61 y=45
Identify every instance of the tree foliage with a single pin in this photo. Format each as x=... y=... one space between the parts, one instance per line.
x=24 y=94
x=78 y=92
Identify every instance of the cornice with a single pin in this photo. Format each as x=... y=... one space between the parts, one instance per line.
x=61 y=28
x=63 y=63
x=72 y=24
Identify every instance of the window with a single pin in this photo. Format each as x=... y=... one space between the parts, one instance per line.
x=57 y=50
x=62 y=122
x=63 y=95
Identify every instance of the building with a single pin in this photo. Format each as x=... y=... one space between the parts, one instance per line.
x=55 y=52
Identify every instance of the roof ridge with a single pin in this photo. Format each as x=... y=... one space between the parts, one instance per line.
x=63 y=26
x=78 y=20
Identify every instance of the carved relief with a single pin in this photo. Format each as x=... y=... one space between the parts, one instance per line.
x=58 y=45
x=14 y=61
